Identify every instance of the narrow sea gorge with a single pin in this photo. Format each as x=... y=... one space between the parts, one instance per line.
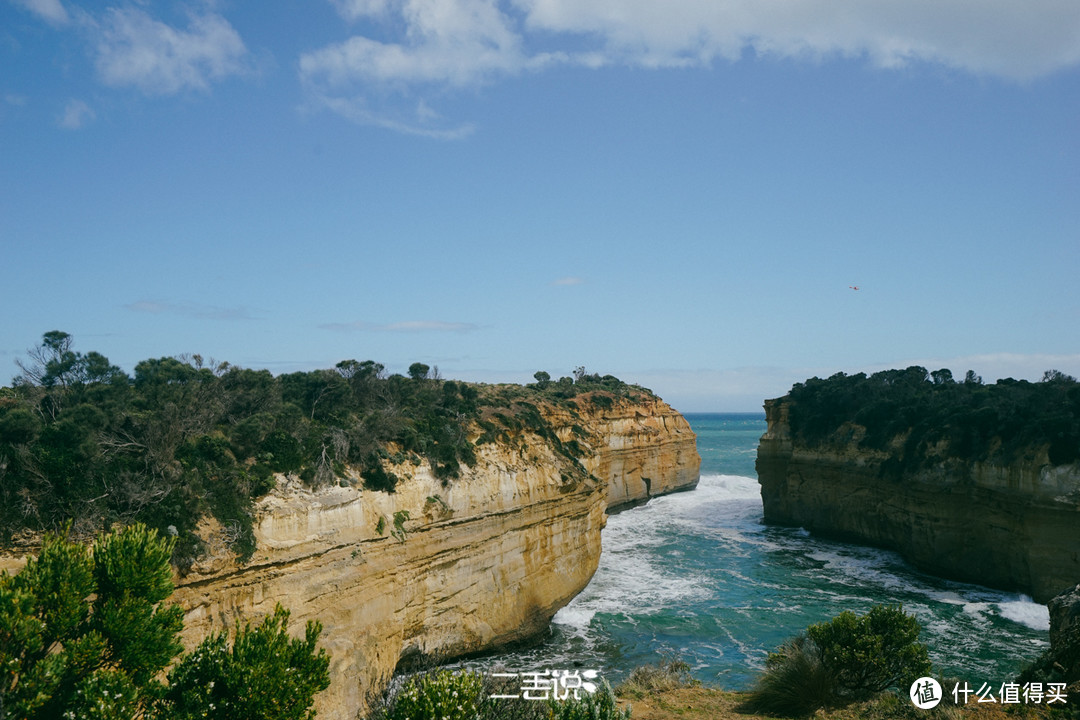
x=698 y=575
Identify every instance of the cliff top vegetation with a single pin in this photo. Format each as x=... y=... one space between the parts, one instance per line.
x=81 y=441
x=929 y=417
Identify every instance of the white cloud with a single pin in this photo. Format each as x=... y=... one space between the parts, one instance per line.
x=356 y=9
x=457 y=42
x=409 y=326
x=461 y=43
x=49 y=10
x=422 y=121
x=135 y=49
x=206 y=312
x=995 y=37
x=569 y=281
x=76 y=113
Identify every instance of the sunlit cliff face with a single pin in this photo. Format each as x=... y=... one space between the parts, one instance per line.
x=443 y=570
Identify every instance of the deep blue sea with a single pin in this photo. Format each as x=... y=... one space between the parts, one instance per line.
x=697 y=574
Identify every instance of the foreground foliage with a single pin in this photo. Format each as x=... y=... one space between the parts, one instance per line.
x=667 y=674
x=86 y=633
x=442 y=694
x=841 y=660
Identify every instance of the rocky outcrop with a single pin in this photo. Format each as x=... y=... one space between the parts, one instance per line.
x=1061 y=662
x=643 y=449
x=1015 y=527
x=445 y=569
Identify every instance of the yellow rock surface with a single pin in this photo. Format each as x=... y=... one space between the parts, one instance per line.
x=481 y=562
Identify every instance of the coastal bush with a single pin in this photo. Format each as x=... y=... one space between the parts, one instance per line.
x=442 y=694
x=840 y=660
x=82 y=441
x=938 y=418
x=667 y=674
x=872 y=652
x=87 y=634
x=264 y=675
x=434 y=695
x=796 y=681
x=184 y=438
x=600 y=705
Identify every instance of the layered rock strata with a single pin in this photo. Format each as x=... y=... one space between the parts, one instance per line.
x=443 y=570
x=1014 y=527
x=643 y=449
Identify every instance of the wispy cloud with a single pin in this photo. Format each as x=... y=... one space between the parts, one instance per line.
x=49 y=10
x=76 y=114
x=415 y=46
x=208 y=312
x=409 y=326
x=134 y=49
x=421 y=121
x=571 y=280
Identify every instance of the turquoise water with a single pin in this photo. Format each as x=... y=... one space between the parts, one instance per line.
x=697 y=574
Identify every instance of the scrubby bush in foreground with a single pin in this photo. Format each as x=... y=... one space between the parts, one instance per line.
x=668 y=674
x=843 y=659
x=86 y=633
x=465 y=695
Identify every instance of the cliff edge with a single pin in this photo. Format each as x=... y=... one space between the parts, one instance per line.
x=1010 y=524
x=441 y=568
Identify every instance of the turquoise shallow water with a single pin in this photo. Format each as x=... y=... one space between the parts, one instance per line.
x=697 y=574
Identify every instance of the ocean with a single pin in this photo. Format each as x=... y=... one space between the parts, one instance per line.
x=697 y=575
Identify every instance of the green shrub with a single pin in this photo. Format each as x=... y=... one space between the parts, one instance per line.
x=437 y=695
x=843 y=659
x=88 y=634
x=265 y=675
x=796 y=681
x=873 y=652
x=600 y=705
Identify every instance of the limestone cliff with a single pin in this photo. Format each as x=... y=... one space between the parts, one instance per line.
x=1013 y=526
x=446 y=569
x=642 y=448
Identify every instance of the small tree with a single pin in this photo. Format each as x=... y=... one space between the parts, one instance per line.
x=942 y=376
x=86 y=634
x=840 y=660
x=265 y=675
x=418 y=371
x=60 y=650
x=874 y=651
x=543 y=379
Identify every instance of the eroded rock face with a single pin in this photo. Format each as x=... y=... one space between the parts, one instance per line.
x=1015 y=527
x=643 y=449
x=479 y=563
x=1061 y=662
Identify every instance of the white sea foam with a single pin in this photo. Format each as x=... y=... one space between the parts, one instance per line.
x=1026 y=612
x=632 y=581
x=574 y=617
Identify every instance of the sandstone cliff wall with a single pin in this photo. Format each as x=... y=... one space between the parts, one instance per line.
x=482 y=562
x=643 y=449
x=1015 y=527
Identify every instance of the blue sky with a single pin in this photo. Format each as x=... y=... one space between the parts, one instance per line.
x=680 y=193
